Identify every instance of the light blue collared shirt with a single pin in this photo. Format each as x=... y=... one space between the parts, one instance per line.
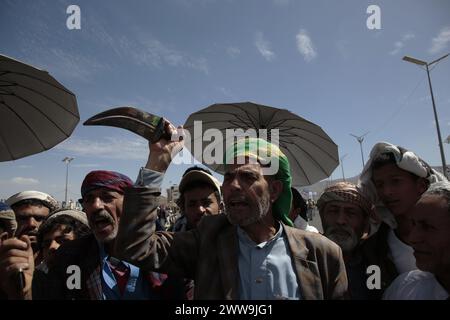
x=265 y=270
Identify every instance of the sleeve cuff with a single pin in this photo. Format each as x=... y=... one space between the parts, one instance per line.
x=149 y=178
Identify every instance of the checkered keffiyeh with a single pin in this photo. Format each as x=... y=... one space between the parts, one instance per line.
x=344 y=192
x=105 y=179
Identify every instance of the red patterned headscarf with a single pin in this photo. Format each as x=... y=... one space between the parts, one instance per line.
x=105 y=179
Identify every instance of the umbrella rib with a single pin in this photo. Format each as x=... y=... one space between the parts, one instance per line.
x=61 y=87
x=49 y=98
x=298 y=163
x=315 y=145
x=277 y=125
x=249 y=115
x=50 y=120
x=24 y=122
x=272 y=116
x=7 y=147
x=279 y=122
x=220 y=130
x=308 y=131
x=286 y=133
x=221 y=121
x=312 y=159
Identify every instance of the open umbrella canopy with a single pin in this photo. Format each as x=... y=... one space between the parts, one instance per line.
x=36 y=111
x=311 y=153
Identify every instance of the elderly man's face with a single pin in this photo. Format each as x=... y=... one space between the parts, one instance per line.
x=103 y=208
x=246 y=194
x=29 y=218
x=430 y=234
x=344 y=223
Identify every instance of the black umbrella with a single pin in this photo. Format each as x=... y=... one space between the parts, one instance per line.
x=312 y=154
x=36 y=111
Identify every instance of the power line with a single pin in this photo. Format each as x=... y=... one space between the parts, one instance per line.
x=400 y=108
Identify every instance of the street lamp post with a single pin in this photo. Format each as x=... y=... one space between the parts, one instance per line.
x=342 y=166
x=427 y=65
x=447 y=141
x=360 y=139
x=67 y=161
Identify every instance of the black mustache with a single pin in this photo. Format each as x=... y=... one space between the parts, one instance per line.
x=103 y=214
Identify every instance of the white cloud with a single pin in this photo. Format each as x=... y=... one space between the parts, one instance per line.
x=24 y=181
x=145 y=49
x=233 y=52
x=61 y=63
x=263 y=47
x=441 y=41
x=152 y=52
x=110 y=147
x=227 y=93
x=398 y=45
x=305 y=45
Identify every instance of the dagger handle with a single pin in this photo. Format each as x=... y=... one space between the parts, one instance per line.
x=160 y=132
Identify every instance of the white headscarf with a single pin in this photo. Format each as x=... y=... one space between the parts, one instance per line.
x=406 y=160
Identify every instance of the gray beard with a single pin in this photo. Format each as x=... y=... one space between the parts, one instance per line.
x=347 y=241
x=262 y=209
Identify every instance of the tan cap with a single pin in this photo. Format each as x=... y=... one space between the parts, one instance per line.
x=199 y=175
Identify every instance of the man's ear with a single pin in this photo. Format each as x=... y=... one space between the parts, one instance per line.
x=3 y=237
x=275 y=189
x=423 y=184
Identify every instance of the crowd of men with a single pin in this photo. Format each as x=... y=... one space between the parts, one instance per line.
x=386 y=237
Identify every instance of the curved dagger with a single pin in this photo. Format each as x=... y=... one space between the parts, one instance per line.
x=145 y=124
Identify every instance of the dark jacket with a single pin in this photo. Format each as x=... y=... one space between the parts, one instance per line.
x=375 y=251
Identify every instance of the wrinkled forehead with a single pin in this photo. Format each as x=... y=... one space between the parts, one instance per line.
x=346 y=205
x=101 y=191
x=36 y=209
x=243 y=164
x=428 y=204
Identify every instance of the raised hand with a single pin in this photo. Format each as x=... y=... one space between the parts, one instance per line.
x=16 y=267
x=163 y=151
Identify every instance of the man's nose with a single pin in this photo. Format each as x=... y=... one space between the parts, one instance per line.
x=201 y=209
x=54 y=245
x=341 y=218
x=97 y=203
x=234 y=184
x=387 y=190
x=31 y=223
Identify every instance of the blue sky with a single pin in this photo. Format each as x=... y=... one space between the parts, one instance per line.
x=317 y=59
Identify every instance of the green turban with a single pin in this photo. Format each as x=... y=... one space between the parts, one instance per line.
x=265 y=153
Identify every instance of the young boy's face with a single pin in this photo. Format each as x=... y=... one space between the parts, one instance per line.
x=398 y=189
